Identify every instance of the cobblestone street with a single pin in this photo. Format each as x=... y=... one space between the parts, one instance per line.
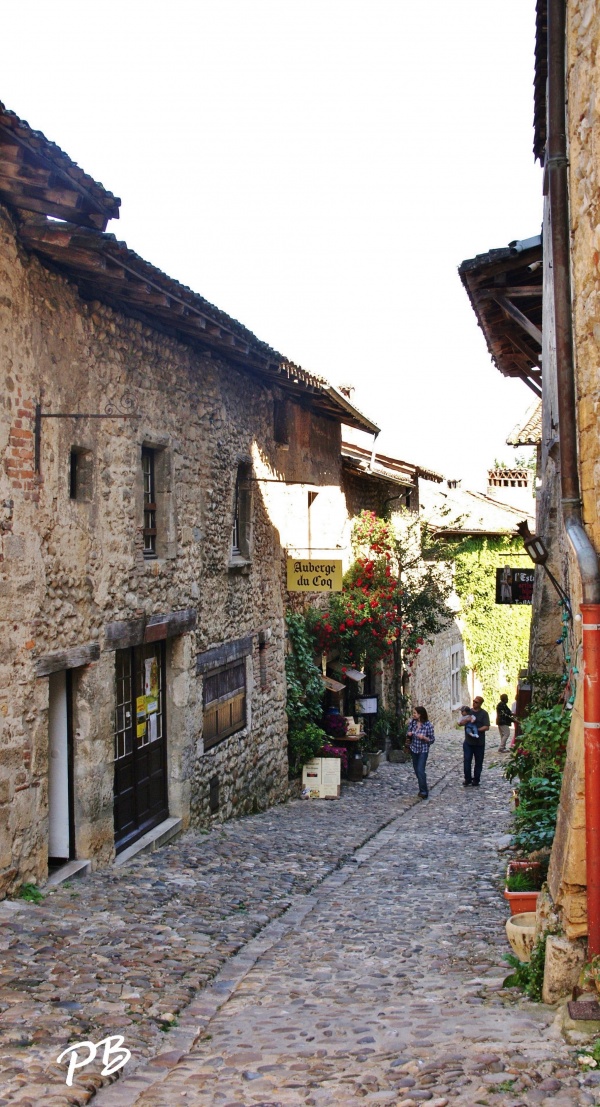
x=319 y=953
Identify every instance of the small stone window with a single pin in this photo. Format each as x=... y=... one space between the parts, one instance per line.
x=224 y=702
x=159 y=526
x=242 y=515
x=149 y=529
x=80 y=475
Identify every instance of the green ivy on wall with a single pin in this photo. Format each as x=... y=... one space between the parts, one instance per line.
x=496 y=636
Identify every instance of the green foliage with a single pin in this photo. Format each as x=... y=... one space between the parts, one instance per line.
x=524 y=880
x=589 y=1055
x=304 y=705
x=303 y=744
x=31 y=893
x=304 y=684
x=542 y=746
x=393 y=724
x=547 y=689
x=529 y=977
x=496 y=637
x=535 y=817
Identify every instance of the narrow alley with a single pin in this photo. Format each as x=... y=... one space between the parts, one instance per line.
x=318 y=953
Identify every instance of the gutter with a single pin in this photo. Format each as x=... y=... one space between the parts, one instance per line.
x=556 y=172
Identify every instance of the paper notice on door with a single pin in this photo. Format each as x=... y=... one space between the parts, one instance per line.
x=151 y=676
x=141 y=729
x=152 y=728
x=140 y=706
x=151 y=705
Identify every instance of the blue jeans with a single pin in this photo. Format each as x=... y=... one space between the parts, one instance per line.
x=473 y=753
x=419 y=761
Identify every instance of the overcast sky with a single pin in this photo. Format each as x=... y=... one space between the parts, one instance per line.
x=317 y=169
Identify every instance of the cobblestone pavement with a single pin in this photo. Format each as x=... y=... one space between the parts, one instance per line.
x=349 y=972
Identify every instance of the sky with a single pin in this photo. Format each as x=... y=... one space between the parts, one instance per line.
x=318 y=169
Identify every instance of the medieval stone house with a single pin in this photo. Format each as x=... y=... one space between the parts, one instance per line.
x=556 y=351
x=158 y=463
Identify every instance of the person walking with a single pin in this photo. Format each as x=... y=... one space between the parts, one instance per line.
x=420 y=738
x=474 y=747
x=504 y=718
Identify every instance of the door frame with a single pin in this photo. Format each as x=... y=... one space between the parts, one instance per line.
x=55 y=861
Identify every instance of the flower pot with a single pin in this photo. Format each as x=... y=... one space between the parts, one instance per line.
x=397 y=756
x=521 y=901
x=520 y=931
x=374 y=760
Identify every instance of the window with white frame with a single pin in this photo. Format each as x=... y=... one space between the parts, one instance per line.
x=455 y=675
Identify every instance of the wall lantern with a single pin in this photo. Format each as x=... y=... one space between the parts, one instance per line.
x=538 y=552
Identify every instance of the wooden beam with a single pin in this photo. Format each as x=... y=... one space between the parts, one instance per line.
x=517 y=316
x=517 y=342
x=74 y=658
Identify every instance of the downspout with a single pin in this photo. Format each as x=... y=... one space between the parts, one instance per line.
x=556 y=167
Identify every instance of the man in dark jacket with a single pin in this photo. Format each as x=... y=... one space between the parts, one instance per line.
x=504 y=718
x=474 y=748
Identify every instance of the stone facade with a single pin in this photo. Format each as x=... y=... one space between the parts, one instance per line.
x=78 y=592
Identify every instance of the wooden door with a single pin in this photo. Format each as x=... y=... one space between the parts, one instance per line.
x=140 y=791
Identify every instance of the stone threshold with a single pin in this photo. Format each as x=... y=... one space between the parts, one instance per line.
x=154 y=839
x=69 y=871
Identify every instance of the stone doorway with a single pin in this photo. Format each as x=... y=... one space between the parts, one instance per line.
x=140 y=752
x=61 y=835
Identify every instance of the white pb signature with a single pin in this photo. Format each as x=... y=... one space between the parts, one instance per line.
x=118 y=1052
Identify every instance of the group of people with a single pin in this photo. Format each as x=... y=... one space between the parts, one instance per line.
x=476 y=721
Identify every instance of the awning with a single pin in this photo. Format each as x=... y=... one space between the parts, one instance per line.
x=332 y=685
x=350 y=674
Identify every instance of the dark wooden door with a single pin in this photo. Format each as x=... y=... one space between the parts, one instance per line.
x=140 y=794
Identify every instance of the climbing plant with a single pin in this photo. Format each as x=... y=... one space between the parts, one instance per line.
x=304 y=705
x=496 y=636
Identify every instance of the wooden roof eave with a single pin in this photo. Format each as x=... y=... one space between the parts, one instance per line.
x=106 y=270
x=37 y=176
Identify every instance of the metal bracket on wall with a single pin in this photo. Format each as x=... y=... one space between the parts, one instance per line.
x=111 y=411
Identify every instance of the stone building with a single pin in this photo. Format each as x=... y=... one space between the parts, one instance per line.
x=558 y=341
x=444 y=674
x=158 y=463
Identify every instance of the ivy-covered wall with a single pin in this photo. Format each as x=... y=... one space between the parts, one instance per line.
x=496 y=637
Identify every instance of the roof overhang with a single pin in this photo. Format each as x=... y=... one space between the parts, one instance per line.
x=386 y=468
x=107 y=270
x=505 y=290
x=37 y=176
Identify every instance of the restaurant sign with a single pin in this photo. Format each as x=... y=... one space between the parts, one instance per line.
x=514 y=585
x=314 y=576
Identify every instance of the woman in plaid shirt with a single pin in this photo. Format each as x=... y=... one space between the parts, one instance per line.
x=420 y=738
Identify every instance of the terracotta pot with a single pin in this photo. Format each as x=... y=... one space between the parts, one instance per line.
x=520 y=931
x=521 y=901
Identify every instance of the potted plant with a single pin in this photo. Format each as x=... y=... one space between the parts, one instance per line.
x=524 y=880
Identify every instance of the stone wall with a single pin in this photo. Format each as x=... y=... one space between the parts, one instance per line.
x=430 y=682
x=73 y=568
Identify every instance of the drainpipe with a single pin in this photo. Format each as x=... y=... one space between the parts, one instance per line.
x=556 y=164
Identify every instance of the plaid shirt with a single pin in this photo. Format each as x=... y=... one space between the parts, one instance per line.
x=421 y=736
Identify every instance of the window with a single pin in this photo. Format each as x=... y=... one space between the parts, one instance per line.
x=80 y=475
x=280 y=423
x=455 y=676
x=242 y=514
x=149 y=529
x=224 y=702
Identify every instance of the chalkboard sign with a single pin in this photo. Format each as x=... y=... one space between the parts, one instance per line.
x=514 y=585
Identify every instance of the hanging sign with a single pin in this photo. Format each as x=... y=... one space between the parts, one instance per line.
x=304 y=575
x=514 y=585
